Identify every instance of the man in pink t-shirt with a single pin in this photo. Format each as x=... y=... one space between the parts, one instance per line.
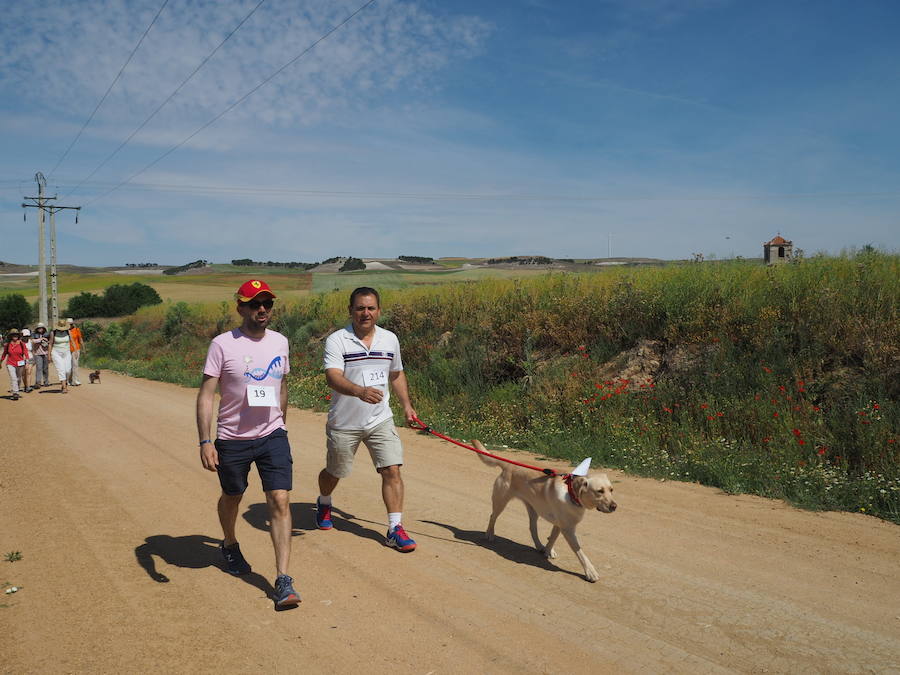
x=249 y=365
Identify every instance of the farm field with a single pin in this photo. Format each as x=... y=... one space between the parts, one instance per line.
x=218 y=282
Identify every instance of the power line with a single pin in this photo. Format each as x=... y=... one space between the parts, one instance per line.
x=109 y=89
x=236 y=103
x=170 y=97
x=253 y=190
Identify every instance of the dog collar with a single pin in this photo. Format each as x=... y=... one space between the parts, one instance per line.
x=567 y=479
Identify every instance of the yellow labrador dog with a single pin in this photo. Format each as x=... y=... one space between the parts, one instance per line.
x=553 y=500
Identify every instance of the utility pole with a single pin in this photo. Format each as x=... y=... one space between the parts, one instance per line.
x=40 y=202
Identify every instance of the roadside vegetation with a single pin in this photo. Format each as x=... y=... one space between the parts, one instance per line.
x=778 y=381
x=117 y=300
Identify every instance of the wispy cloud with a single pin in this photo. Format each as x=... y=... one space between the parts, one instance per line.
x=389 y=46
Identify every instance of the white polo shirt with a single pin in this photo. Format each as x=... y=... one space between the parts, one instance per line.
x=368 y=367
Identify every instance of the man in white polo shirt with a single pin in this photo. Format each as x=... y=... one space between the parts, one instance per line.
x=362 y=366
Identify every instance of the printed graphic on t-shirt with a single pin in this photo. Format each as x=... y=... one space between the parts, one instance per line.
x=274 y=369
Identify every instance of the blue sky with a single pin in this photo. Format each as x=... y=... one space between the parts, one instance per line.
x=658 y=128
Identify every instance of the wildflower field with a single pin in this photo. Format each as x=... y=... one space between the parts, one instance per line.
x=778 y=381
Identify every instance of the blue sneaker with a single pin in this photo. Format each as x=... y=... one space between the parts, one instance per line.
x=323 y=516
x=234 y=560
x=285 y=595
x=398 y=539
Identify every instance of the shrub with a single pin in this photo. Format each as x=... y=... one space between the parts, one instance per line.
x=352 y=264
x=117 y=300
x=15 y=312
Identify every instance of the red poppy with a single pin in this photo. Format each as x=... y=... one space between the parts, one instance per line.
x=821 y=451
x=774 y=414
x=796 y=432
x=327 y=397
x=875 y=406
x=800 y=441
x=720 y=414
x=668 y=410
x=768 y=370
x=709 y=417
x=704 y=406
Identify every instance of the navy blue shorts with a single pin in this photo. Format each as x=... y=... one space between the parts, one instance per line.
x=272 y=455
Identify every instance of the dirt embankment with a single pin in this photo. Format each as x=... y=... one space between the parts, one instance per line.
x=102 y=492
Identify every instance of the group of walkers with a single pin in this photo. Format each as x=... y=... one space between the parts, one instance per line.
x=248 y=365
x=27 y=355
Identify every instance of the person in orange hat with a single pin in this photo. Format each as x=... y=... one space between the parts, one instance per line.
x=76 y=345
x=248 y=365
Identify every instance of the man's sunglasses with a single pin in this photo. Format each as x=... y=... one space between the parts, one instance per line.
x=256 y=304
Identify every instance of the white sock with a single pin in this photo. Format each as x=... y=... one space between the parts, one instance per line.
x=393 y=520
x=325 y=500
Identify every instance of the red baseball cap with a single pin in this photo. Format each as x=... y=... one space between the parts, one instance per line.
x=250 y=289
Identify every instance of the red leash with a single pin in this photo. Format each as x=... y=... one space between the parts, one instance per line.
x=427 y=429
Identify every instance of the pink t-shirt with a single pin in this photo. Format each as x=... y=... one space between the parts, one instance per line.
x=250 y=372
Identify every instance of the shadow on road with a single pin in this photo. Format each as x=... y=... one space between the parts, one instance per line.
x=506 y=548
x=303 y=515
x=194 y=551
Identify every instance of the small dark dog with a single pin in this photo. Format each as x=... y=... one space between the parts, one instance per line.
x=95 y=377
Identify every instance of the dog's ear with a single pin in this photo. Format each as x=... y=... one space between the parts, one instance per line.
x=579 y=484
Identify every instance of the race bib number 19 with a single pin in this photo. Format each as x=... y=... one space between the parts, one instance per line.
x=261 y=396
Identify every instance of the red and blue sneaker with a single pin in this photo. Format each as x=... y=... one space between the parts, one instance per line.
x=323 y=516
x=398 y=539
x=285 y=595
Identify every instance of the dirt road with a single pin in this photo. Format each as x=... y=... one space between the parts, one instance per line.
x=103 y=493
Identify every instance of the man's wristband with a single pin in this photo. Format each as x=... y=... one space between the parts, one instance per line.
x=206 y=440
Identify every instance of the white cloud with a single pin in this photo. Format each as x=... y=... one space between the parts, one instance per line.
x=387 y=46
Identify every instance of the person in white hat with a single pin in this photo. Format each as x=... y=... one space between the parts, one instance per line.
x=28 y=370
x=40 y=348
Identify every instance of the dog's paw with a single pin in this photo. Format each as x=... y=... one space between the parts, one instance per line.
x=549 y=553
x=591 y=575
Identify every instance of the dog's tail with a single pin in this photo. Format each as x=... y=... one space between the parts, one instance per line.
x=490 y=461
